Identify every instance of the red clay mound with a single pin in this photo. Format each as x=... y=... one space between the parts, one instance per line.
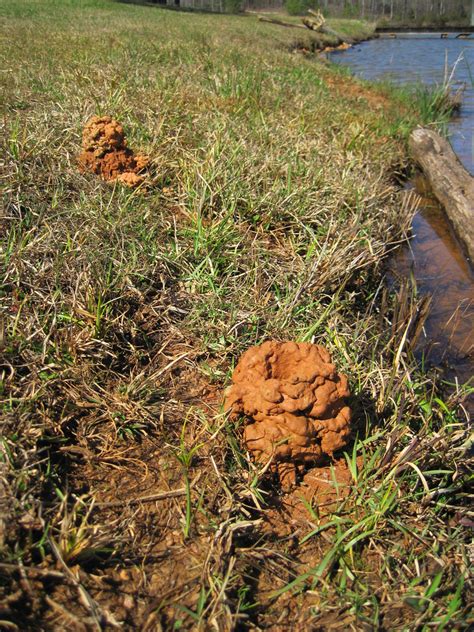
x=105 y=152
x=293 y=400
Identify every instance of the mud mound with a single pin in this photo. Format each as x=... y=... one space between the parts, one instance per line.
x=293 y=399
x=105 y=152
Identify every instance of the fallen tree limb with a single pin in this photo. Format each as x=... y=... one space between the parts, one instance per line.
x=323 y=30
x=311 y=24
x=451 y=183
x=281 y=23
x=318 y=18
x=327 y=31
x=316 y=22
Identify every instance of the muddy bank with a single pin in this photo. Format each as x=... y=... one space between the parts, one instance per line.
x=433 y=257
x=324 y=44
x=317 y=35
x=425 y=29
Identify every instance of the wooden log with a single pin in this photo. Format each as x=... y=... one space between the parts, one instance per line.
x=317 y=23
x=449 y=181
x=307 y=24
x=281 y=22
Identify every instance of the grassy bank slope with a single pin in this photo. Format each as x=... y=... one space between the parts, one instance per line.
x=124 y=494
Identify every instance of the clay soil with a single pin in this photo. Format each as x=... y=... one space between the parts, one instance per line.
x=105 y=153
x=145 y=526
x=294 y=402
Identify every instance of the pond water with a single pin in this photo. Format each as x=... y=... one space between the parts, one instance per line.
x=433 y=256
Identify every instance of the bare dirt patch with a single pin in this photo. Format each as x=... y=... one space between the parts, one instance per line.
x=352 y=89
x=320 y=492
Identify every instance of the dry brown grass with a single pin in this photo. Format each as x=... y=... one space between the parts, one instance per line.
x=127 y=499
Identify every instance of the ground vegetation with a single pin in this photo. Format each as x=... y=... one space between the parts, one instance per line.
x=127 y=497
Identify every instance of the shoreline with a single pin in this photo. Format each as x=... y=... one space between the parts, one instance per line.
x=453 y=369
x=422 y=29
x=269 y=203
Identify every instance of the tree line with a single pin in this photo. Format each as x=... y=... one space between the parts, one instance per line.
x=399 y=9
x=406 y=11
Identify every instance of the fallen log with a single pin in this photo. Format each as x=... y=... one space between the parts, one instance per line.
x=449 y=181
x=318 y=18
x=324 y=30
x=281 y=22
x=312 y=25
x=317 y=23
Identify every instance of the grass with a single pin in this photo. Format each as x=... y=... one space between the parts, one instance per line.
x=126 y=496
x=356 y=30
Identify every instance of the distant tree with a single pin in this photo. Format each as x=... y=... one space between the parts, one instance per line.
x=438 y=11
x=298 y=7
x=432 y=11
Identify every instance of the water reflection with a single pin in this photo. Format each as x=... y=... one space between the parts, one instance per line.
x=427 y=59
x=434 y=255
